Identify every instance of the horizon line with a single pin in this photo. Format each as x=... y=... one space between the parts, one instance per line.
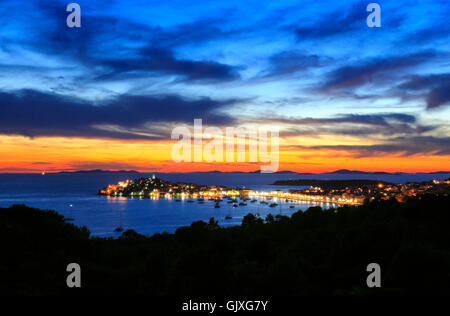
x=218 y=171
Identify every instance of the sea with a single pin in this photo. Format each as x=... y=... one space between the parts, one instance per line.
x=74 y=195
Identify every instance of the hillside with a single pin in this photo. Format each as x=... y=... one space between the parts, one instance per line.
x=314 y=252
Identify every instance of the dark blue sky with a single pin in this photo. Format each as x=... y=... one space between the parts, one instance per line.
x=136 y=68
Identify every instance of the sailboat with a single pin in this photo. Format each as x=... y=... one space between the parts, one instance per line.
x=120 y=228
x=70 y=218
x=229 y=214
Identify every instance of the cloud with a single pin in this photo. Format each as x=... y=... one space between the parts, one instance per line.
x=387 y=124
x=371 y=71
x=342 y=22
x=32 y=113
x=435 y=89
x=289 y=62
x=110 y=46
x=431 y=31
x=401 y=146
x=382 y=119
x=337 y=22
x=162 y=61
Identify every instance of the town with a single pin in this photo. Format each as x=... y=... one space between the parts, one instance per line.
x=342 y=192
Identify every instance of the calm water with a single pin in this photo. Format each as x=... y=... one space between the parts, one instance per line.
x=102 y=215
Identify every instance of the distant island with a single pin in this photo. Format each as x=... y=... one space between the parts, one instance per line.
x=282 y=172
x=338 y=172
x=97 y=171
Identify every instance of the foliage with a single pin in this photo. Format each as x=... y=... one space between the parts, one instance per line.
x=322 y=252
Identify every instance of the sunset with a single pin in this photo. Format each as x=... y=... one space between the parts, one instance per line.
x=108 y=94
x=54 y=154
x=224 y=156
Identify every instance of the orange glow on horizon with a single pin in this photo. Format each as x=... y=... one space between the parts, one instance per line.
x=54 y=154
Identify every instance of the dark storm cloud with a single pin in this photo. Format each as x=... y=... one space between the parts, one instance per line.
x=33 y=113
x=402 y=146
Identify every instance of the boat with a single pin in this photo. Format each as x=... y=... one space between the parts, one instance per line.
x=190 y=201
x=253 y=201
x=273 y=204
x=217 y=205
x=235 y=205
x=228 y=217
x=201 y=199
x=70 y=218
x=177 y=200
x=242 y=204
x=120 y=228
x=292 y=206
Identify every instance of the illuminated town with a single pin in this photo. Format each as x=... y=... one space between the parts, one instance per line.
x=348 y=192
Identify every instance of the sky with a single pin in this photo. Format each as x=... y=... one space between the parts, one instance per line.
x=108 y=94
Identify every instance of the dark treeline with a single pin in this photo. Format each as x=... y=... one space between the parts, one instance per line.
x=323 y=252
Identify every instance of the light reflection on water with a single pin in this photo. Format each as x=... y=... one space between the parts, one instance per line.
x=102 y=215
x=146 y=216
